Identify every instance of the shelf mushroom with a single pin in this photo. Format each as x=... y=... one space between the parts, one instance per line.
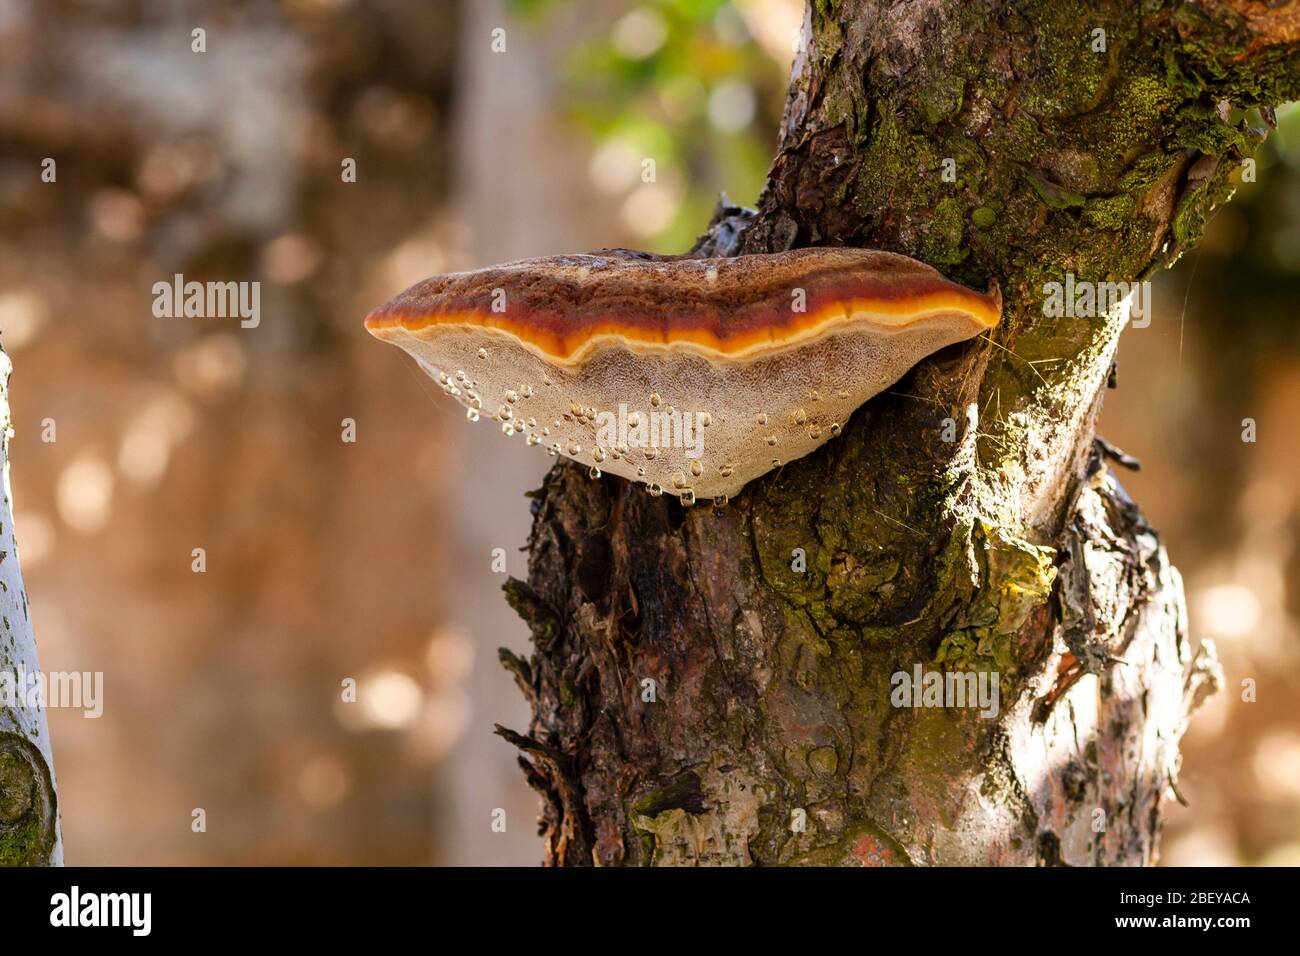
x=693 y=376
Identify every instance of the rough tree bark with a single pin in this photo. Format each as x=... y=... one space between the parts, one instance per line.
x=29 y=816
x=1012 y=549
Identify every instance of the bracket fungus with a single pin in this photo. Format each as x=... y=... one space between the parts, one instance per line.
x=694 y=376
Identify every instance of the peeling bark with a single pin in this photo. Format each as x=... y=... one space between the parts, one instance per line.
x=29 y=816
x=771 y=737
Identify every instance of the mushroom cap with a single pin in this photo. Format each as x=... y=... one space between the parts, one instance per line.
x=692 y=375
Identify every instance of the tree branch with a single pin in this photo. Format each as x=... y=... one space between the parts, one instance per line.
x=29 y=822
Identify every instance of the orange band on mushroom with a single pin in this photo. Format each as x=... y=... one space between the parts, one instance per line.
x=567 y=306
x=747 y=340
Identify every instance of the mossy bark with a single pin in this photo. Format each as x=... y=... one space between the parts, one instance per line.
x=965 y=521
x=29 y=815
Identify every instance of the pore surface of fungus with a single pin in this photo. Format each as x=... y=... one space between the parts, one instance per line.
x=694 y=376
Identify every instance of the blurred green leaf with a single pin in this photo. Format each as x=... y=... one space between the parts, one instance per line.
x=673 y=81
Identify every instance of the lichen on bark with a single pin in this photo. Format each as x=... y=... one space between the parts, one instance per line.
x=1001 y=143
x=29 y=819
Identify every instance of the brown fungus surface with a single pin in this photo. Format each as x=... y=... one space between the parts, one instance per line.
x=694 y=376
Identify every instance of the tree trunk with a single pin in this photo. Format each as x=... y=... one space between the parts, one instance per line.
x=966 y=521
x=29 y=816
